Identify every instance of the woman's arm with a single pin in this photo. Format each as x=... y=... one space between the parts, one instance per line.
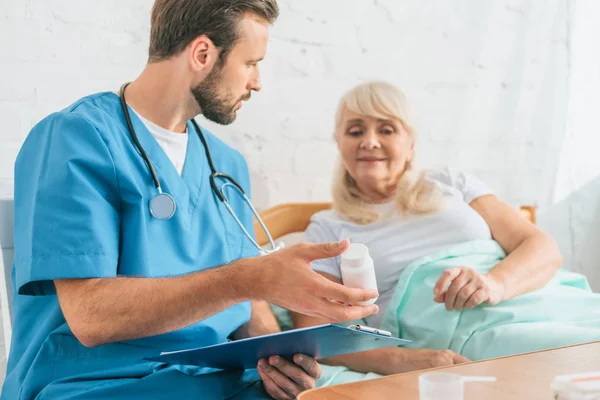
x=533 y=256
x=391 y=360
x=532 y=260
x=262 y=322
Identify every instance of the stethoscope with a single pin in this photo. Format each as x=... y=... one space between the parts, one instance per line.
x=163 y=205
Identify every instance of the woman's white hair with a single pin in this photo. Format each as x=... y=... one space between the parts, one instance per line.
x=414 y=193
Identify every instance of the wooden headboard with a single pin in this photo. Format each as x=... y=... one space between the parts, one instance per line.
x=289 y=218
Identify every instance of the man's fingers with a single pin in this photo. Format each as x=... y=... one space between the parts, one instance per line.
x=294 y=372
x=445 y=279
x=344 y=294
x=271 y=387
x=334 y=312
x=308 y=364
x=339 y=313
x=317 y=251
x=282 y=381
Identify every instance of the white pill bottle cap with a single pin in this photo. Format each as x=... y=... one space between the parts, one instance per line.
x=356 y=255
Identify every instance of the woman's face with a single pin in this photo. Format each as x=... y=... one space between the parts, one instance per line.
x=375 y=151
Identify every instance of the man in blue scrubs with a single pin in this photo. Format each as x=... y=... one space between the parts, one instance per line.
x=101 y=284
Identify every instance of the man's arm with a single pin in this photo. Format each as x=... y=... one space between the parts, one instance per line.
x=101 y=311
x=107 y=310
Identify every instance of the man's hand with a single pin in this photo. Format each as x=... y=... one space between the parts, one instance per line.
x=467 y=289
x=284 y=380
x=285 y=278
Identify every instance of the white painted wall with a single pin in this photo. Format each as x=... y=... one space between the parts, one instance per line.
x=572 y=214
x=488 y=81
x=504 y=88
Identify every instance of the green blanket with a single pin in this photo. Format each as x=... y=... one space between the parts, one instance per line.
x=564 y=312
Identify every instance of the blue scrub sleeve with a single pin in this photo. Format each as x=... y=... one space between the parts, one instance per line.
x=66 y=205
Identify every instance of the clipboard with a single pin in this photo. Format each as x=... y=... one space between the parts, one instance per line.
x=317 y=342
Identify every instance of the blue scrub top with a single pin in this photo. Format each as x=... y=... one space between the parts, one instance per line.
x=81 y=211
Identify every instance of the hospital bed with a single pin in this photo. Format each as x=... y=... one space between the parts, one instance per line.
x=282 y=220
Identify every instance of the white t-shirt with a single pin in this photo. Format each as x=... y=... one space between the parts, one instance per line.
x=174 y=144
x=397 y=240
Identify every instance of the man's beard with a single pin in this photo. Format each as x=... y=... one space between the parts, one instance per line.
x=216 y=106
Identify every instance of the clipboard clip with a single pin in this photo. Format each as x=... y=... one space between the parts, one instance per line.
x=368 y=329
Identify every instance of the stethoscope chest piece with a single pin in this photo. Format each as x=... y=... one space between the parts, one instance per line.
x=163 y=206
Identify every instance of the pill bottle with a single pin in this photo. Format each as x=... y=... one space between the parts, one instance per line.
x=358 y=270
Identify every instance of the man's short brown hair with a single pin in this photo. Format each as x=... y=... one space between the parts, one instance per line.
x=176 y=23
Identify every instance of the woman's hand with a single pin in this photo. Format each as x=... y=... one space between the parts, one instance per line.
x=284 y=380
x=417 y=359
x=467 y=288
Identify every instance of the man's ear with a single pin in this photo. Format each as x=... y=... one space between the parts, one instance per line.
x=203 y=54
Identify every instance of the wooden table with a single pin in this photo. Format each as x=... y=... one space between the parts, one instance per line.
x=525 y=376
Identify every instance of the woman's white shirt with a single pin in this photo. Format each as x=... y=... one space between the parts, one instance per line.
x=397 y=240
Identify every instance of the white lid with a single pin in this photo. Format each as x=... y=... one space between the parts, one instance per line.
x=580 y=391
x=577 y=386
x=356 y=255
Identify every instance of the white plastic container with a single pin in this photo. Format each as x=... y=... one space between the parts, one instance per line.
x=446 y=385
x=584 y=386
x=358 y=270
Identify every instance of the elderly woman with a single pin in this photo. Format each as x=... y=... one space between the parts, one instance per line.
x=404 y=217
